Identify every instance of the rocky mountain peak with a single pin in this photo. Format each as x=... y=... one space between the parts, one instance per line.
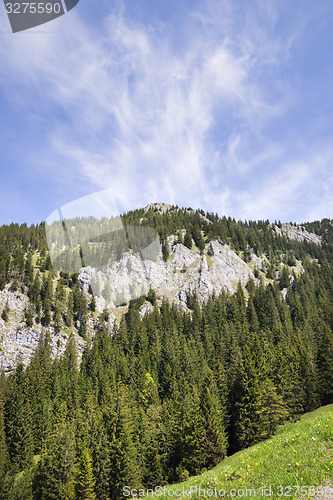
x=158 y=207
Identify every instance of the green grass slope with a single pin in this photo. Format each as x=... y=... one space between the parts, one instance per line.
x=296 y=463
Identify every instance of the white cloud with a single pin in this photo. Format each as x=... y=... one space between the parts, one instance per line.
x=157 y=124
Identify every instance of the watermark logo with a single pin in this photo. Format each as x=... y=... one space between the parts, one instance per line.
x=277 y=259
x=24 y=15
x=116 y=263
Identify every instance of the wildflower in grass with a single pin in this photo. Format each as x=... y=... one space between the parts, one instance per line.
x=297 y=463
x=256 y=464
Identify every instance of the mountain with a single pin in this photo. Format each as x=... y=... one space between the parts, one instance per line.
x=220 y=253
x=144 y=350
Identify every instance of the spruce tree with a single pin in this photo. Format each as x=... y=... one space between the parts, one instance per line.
x=165 y=250
x=125 y=467
x=324 y=363
x=188 y=239
x=85 y=481
x=55 y=473
x=4 y=458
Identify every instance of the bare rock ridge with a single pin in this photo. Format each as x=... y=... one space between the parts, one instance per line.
x=158 y=207
x=298 y=233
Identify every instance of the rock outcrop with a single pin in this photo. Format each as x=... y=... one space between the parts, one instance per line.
x=17 y=341
x=186 y=271
x=298 y=233
x=158 y=207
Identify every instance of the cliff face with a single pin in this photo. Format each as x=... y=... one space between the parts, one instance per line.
x=17 y=341
x=186 y=271
x=298 y=233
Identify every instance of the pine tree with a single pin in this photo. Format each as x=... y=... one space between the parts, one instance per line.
x=57 y=319
x=165 y=250
x=4 y=314
x=188 y=239
x=4 y=458
x=85 y=478
x=18 y=422
x=28 y=270
x=284 y=281
x=188 y=434
x=92 y=305
x=215 y=444
x=69 y=314
x=55 y=473
x=271 y=411
x=125 y=468
x=258 y=408
x=34 y=290
x=29 y=316
x=324 y=363
x=70 y=374
x=100 y=451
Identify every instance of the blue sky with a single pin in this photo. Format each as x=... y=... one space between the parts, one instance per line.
x=220 y=105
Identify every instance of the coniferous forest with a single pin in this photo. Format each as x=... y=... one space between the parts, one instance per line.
x=159 y=398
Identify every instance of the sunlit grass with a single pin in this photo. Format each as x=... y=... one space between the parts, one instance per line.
x=300 y=454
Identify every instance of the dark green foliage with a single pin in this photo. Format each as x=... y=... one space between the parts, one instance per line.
x=325 y=363
x=56 y=469
x=188 y=239
x=4 y=314
x=92 y=305
x=284 y=280
x=29 y=316
x=165 y=250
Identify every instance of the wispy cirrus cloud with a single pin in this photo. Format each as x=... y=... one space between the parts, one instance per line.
x=194 y=125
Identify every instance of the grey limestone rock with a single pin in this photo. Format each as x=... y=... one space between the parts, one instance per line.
x=298 y=233
x=187 y=271
x=17 y=341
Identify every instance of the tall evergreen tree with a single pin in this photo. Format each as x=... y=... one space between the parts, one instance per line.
x=85 y=478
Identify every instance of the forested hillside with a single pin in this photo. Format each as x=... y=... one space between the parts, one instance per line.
x=161 y=396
